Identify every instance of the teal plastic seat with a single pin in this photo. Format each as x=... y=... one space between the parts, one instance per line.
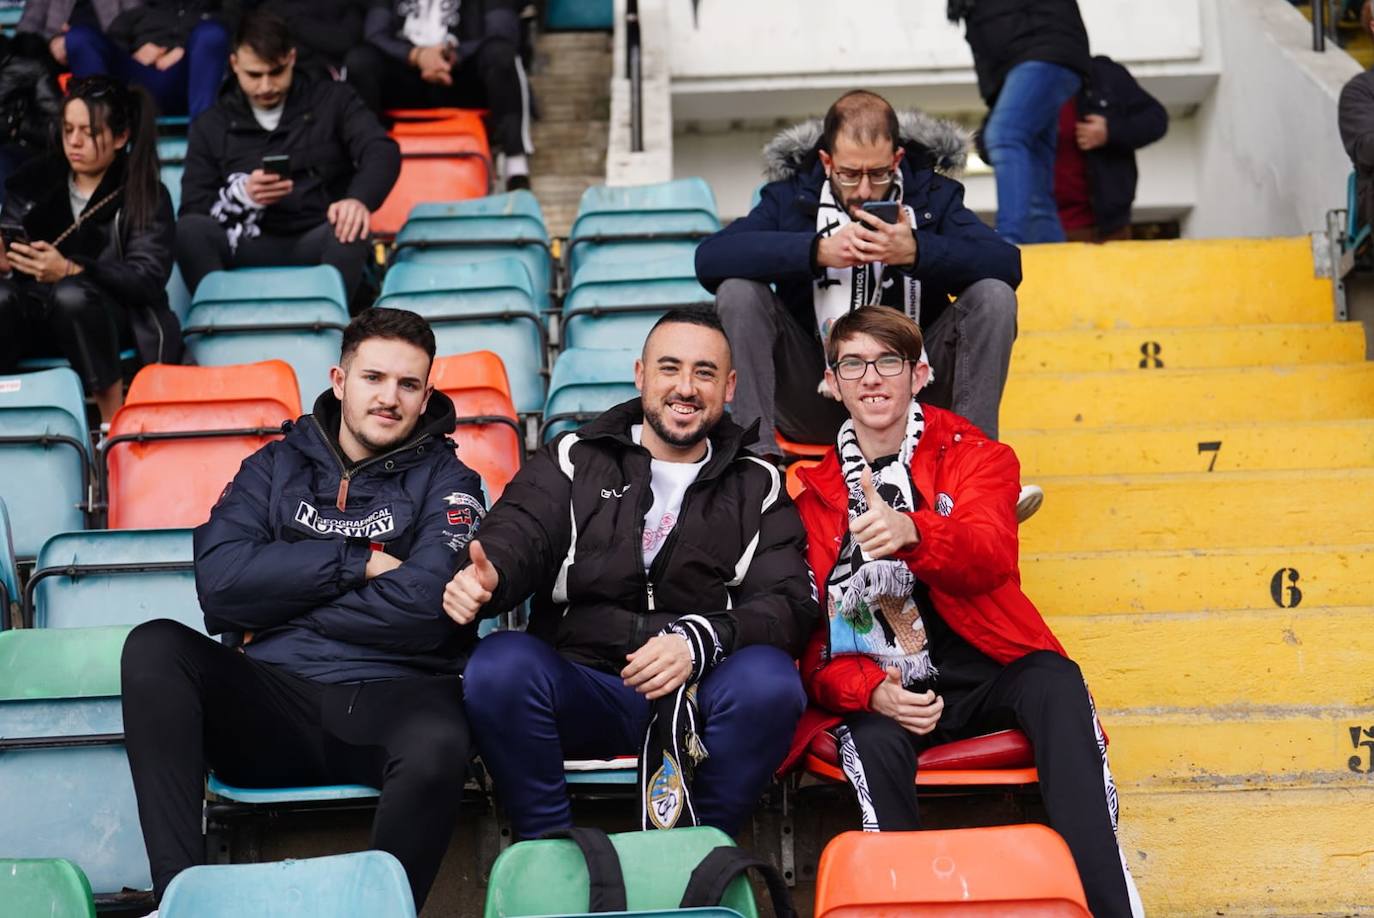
x=265 y=796
x=580 y=15
x=683 y=210
x=634 y=261
x=9 y=572
x=655 y=865
x=115 y=577
x=45 y=455
x=171 y=150
x=171 y=178
x=366 y=884
x=292 y=314
x=45 y=887
x=586 y=383
x=511 y=204
x=178 y=297
x=491 y=305
x=615 y=303
x=686 y=194
x=65 y=789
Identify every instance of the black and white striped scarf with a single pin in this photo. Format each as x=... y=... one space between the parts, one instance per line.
x=236 y=211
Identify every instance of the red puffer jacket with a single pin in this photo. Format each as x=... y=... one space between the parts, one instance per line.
x=967 y=555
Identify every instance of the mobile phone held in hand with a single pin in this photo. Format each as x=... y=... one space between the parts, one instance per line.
x=887 y=211
x=278 y=164
x=14 y=232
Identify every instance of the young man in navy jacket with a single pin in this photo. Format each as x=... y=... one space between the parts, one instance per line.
x=823 y=255
x=323 y=564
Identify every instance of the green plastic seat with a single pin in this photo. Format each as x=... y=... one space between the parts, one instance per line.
x=115 y=577
x=65 y=788
x=586 y=383
x=9 y=572
x=45 y=465
x=44 y=888
x=365 y=884
x=655 y=864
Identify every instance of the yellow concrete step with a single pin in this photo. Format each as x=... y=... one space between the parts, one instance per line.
x=1201 y=660
x=1179 y=282
x=1220 y=447
x=1242 y=747
x=1044 y=401
x=1076 y=351
x=1203 y=510
x=1250 y=852
x=1196 y=579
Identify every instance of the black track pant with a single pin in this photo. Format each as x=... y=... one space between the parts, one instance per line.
x=73 y=318
x=1044 y=694
x=191 y=703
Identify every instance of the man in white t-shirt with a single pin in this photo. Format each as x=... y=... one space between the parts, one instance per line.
x=665 y=562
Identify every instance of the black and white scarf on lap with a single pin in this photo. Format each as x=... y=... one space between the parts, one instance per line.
x=870 y=603
x=673 y=748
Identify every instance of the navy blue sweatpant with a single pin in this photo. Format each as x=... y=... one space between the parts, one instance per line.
x=530 y=708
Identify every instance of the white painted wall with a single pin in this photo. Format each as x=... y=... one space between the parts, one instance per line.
x=1270 y=160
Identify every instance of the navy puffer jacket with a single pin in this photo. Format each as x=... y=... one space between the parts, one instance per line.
x=280 y=565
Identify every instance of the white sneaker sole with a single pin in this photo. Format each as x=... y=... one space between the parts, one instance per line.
x=1030 y=500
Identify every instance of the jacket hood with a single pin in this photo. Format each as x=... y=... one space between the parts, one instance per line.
x=936 y=143
x=438 y=422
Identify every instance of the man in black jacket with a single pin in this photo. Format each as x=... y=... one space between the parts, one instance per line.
x=313 y=209
x=429 y=54
x=1094 y=170
x=324 y=563
x=1356 y=122
x=667 y=569
x=1031 y=57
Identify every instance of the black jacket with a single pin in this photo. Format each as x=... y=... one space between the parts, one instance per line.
x=775 y=242
x=1356 y=120
x=167 y=23
x=130 y=265
x=1135 y=119
x=1004 y=33
x=569 y=529
x=338 y=150
x=278 y=559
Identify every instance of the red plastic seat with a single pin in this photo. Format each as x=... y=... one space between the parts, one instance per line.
x=444 y=157
x=478 y=385
x=172 y=482
x=1001 y=758
x=1023 y=870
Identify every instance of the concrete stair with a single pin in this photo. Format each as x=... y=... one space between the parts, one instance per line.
x=1204 y=433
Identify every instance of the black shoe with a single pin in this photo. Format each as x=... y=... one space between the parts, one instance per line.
x=518 y=182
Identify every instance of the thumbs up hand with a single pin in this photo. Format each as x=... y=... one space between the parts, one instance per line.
x=880 y=530
x=471 y=588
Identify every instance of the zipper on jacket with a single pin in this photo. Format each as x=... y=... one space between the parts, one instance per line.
x=649 y=592
x=661 y=559
x=345 y=473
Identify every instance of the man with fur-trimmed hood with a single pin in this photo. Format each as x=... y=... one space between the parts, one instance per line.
x=810 y=238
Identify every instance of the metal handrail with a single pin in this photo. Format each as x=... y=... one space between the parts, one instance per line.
x=635 y=74
x=1318 y=25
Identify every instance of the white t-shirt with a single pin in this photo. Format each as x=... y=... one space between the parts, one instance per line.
x=428 y=22
x=269 y=118
x=669 y=481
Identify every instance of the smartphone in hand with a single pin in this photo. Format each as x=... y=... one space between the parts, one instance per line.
x=887 y=211
x=278 y=164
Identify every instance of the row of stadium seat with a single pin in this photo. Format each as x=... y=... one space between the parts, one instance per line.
x=1023 y=870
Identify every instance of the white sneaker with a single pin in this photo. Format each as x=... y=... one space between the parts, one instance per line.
x=1030 y=500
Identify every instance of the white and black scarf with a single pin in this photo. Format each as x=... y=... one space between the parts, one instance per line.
x=870 y=602
x=236 y=211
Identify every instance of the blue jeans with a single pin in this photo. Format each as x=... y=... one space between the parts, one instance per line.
x=529 y=708
x=1020 y=137
x=189 y=87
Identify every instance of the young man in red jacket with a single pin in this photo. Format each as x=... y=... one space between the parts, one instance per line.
x=911 y=531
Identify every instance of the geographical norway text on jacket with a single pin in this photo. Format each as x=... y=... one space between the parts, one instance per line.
x=279 y=559
x=775 y=243
x=966 y=555
x=570 y=528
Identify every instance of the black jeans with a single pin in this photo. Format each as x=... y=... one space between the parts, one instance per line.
x=73 y=318
x=202 y=247
x=1044 y=694
x=192 y=704
x=493 y=78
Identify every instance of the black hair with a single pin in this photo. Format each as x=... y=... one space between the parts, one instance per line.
x=266 y=33
x=381 y=322
x=865 y=116
x=690 y=315
x=113 y=105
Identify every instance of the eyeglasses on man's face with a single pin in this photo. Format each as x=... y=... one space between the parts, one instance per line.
x=876 y=177
x=852 y=368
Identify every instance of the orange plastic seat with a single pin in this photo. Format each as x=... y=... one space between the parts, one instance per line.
x=183 y=435
x=804 y=450
x=443 y=158
x=1001 y=758
x=488 y=432
x=794 y=482
x=1023 y=870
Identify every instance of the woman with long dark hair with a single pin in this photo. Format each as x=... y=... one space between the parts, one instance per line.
x=87 y=245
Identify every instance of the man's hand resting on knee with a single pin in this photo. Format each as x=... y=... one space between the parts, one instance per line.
x=918 y=713
x=660 y=667
x=471 y=588
x=350 y=219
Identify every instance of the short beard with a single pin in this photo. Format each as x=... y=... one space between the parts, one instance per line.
x=682 y=441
